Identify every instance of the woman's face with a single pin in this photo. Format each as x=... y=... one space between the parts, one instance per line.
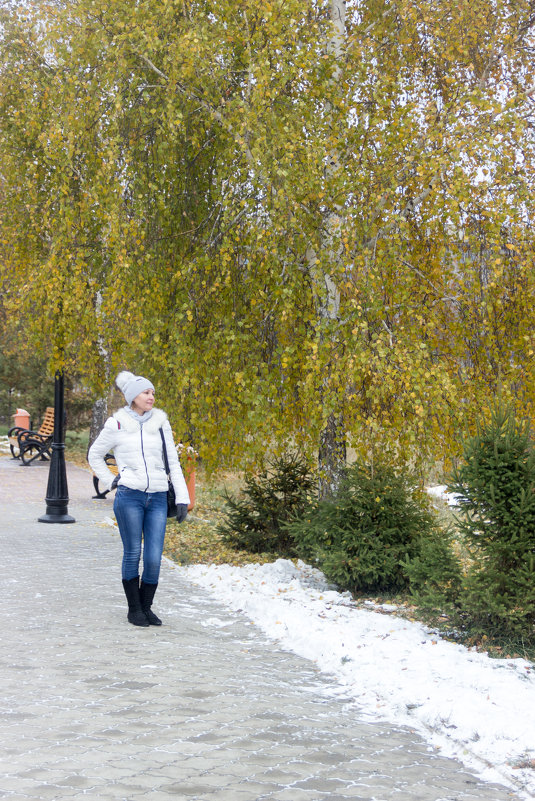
x=144 y=401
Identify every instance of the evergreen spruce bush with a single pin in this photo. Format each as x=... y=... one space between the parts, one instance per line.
x=435 y=573
x=255 y=520
x=364 y=538
x=496 y=484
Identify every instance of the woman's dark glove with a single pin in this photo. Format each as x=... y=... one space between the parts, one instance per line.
x=181 y=512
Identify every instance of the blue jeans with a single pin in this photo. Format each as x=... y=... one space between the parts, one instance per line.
x=141 y=516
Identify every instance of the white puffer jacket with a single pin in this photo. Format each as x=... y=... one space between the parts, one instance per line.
x=138 y=451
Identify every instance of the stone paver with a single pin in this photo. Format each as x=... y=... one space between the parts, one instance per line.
x=95 y=708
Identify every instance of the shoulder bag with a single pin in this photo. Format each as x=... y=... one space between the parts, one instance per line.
x=171 y=500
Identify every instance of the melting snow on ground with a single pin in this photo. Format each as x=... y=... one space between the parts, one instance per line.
x=478 y=709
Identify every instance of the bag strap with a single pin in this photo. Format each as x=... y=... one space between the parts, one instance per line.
x=165 y=460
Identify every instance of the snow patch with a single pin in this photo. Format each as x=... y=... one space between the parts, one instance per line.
x=475 y=708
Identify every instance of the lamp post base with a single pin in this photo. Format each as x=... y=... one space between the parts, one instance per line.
x=56 y=519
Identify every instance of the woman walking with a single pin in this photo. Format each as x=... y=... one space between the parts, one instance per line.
x=134 y=434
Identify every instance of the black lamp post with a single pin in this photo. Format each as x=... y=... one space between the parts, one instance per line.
x=57 y=494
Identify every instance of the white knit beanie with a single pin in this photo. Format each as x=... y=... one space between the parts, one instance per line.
x=131 y=385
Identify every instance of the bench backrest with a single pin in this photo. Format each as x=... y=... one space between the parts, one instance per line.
x=47 y=426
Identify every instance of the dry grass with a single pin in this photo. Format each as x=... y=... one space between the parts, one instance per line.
x=196 y=541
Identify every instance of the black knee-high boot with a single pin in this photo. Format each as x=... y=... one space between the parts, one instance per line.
x=146 y=594
x=136 y=615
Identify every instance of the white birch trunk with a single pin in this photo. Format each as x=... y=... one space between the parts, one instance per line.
x=332 y=446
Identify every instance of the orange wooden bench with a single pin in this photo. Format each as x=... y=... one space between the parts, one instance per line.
x=29 y=445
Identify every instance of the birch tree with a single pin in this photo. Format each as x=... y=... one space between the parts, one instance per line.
x=315 y=229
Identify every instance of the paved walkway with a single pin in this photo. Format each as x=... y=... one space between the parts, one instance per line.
x=95 y=708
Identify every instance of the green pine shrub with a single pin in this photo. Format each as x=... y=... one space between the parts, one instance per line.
x=255 y=520
x=496 y=482
x=364 y=538
x=435 y=573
